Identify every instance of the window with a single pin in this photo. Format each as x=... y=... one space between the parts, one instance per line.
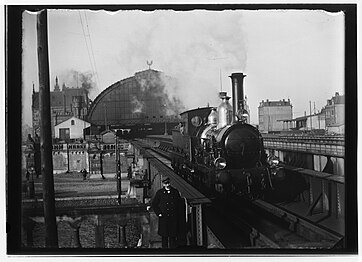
x=64 y=133
x=72 y=122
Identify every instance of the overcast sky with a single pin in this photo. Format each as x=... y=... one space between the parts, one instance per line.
x=295 y=54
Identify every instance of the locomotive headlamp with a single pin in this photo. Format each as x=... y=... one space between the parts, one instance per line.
x=220 y=163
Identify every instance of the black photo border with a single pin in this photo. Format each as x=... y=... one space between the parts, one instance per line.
x=13 y=125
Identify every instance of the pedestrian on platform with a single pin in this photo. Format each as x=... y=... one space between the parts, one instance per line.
x=166 y=206
x=27 y=175
x=84 y=173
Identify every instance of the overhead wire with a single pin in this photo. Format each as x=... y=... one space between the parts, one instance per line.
x=93 y=68
x=91 y=45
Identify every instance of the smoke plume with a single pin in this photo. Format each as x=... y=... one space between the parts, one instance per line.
x=193 y=47
x=75 y=79
x=155 y=86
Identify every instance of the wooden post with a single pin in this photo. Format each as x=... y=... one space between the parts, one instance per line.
x=51 y=234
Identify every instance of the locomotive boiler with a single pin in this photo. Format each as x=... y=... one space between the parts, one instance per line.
x=217 y=150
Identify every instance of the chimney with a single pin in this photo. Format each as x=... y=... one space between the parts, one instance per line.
x=237 y=82
x=77 y=104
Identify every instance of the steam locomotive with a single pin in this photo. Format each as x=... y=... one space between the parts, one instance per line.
x=217 y=150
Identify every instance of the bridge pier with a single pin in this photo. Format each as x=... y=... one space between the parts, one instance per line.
x=75 y=224
x=146 y=231
x=122 y=236
x=75 y=236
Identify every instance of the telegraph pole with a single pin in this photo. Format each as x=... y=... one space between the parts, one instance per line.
x=68 y=169
x=310 y=113
x=51 y=234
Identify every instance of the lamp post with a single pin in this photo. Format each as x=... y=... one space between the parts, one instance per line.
x=68 y=170
x=118 y=172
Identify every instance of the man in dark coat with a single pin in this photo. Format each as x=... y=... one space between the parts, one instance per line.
x=166 y=206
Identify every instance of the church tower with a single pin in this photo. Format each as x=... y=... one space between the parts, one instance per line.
x=56 y=87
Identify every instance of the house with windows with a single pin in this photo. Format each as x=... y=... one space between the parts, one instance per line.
x=335 y=114
x=272 y=114
x=71 y=128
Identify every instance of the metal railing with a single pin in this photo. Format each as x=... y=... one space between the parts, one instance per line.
x=327 y=146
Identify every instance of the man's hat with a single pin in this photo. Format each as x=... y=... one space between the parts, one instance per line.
x=165 y=179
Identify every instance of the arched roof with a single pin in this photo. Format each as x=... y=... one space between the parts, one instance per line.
x=106 y=91
x=139 y=99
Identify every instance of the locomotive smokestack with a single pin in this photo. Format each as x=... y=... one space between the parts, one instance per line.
x=237 y=81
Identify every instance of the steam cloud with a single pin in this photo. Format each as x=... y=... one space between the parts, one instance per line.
x=73 y=78
x=155 y=87
x=190 y=46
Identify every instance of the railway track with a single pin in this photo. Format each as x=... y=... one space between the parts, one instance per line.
x=238 y=223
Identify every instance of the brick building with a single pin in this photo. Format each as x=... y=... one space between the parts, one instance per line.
x=64 y=103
